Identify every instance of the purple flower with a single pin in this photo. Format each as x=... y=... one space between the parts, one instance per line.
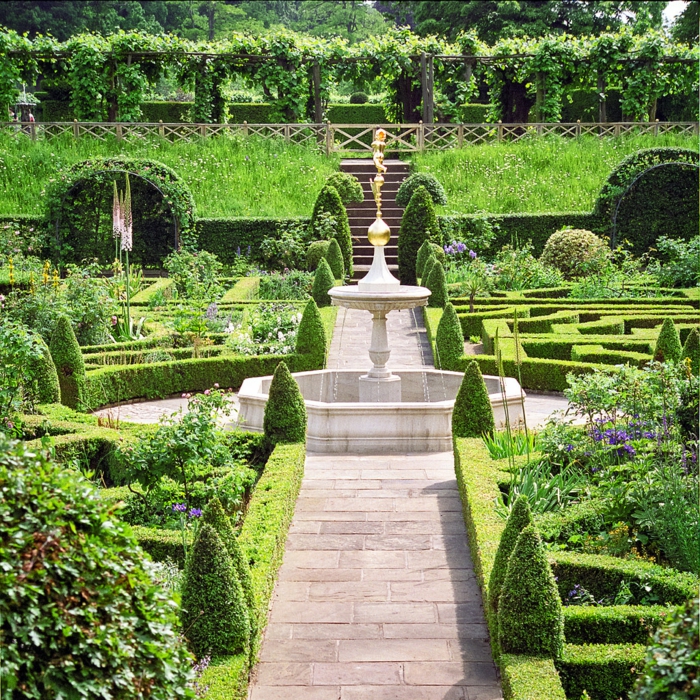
x=472 y=254
x=179 y=507
x=212 y=310
x=195 y=513
x=569 y=448
x=461 y=247
x=247 y=158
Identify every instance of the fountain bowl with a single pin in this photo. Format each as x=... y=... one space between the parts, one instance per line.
x=337 y=422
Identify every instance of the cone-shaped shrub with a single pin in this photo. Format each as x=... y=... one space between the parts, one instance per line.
x=437 y=284
x=329 y=201
x=69 y=364
x=520 y=517
x=418 y=225
x=422 y=257
x=668 y=345
x=214 y=515
x=323 y=281
x=530 y=619
x=472 y=415
x=311 y=337
x=285 y=412
x=334 y=257
x=213 y=611
x=449 y=340
x=429 y=263
x=46 y=388
x=691 y=350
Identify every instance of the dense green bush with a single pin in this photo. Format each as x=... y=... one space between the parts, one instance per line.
x=668 y=344
x=614 y=624
x=285 y=412
x=314 y=253
x=427 y=268
x=691 y=350
x=417 y=225
x=530 y=618
x=673 y=658
x=197 y=275
x=437 y=284
x=472 y=415
x=334 y=258
x=329 y=202
x=323 y=281
x=421 y=258
x=311 y=337
x=213 y=611
x=356 y=114
x=411 y=184
x=574 y=252
x=449 y=341
x=69 y=363
x=359 y=98
x=348 y=187
x=681 y=262
x=46 y=388
x=79 y=610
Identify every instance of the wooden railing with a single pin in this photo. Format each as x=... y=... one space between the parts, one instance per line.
x=346 y=137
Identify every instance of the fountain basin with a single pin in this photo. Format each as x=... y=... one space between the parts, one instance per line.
x=338 y=422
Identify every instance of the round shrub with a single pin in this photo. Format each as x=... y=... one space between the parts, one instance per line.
x=79 y=610
x=213 y=611
x=285 y=412
x=411 y=184
x=68 y=360
x=329 y=201
x=314 y=253
x=418 y=225
x=574 y=252
x=449 y=340
x=334 y=258
x=437 y=284
x=348 y=187
x=472 y=415
x=311 y=337
x=359 y=98
x=530 y=619
x=668 y=344
x=691 y=350
x=46 y=388
x=323 y=281
x=673 y=658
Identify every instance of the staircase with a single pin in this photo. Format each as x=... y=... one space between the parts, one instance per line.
x=362 y=215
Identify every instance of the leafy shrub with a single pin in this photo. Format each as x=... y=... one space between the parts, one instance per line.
x=449 y=340
x=266 y=329
x=411 y=184
x=334 y=258
x=292 y=284
x=530 y=619
x=472 y=415
x=348 y=187
x=323 y=281
x=516 y=268
x=681 y=264
x=285 y=412
x=574 y=252
x=691 y=350
x=421 y=258
x=359 y=98
x=79 y=608
x=285 y=250
x=329 y=201
x=673 y=658
x=314 y=253
x=68 y=360
x=417 y=225
x=157 y=356
x=311 y=338
x=668 y=344
x=46 y=388
x=437 y=284
x=427 y=268
x=213 y=611
x=197 y=275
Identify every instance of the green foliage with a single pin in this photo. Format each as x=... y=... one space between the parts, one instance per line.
x=437 y=284
x=197 y=275
x=449 y=341
x=311 y=337
x=617 y=624
x=574 y=252
x=472 y=415
x=530 y=678
x=411 y=184
x=668 y=344
x=129 y=649
x=691 y=350
x=69 y=363
x=422 y=257
x=417 y=225
x=334 y=258
x=673 y=658
x=323 y=281
x=529 y=610
x=356 y=114
x=348 y=187
x=314 y=253
x=285 y=412
x=213 y=610
x=520 y=517
x=359 y=98
x=46 y=387
x=681 y=262
x=329 y=202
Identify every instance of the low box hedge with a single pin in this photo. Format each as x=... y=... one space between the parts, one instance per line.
x=245 y=289
x=597 y=353
x=143 y=298
x=617 y=624
x=530 y=678
x=163 y=544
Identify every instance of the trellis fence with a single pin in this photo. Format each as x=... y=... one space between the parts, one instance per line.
x=346 y=137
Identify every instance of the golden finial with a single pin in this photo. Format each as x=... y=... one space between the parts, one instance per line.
x=379 y=233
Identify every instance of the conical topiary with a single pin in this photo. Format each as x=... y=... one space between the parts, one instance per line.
x=437 y=284
x=691 y=350
x=68 y=360
x=449 y=340
x=214 y=515
x=311 y=338
x=418 y=225
x=429 y=263
x=520 y=517
x=334 y=257
x=323 y=281
x=329 y=201
x=668 y=345
x=422 y=257
x=213 y=611
x=285 y=412
x=530 y=619
x=46 y=388
x=472 y=415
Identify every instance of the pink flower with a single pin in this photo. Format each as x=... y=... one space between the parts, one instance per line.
x=207 y=392
x=114 y=320
x=216 y=385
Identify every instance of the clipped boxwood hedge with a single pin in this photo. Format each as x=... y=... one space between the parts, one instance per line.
x=617 y=624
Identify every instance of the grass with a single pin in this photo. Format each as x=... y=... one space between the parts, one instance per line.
x=228 y=176
x=551 y=174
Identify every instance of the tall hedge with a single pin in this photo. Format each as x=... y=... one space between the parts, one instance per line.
x=329 y=201
x=449 y=340
x=311 y=337
x=530 y=619
x=334 y=257
x=668 y=344
x=323 y=282
x=285 y=412
x=691 y=350
x=46 y=387
x=473 y=414
x=418 y=225
x=437 y=284
x=68 y=360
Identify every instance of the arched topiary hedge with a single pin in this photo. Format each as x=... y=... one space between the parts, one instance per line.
x=652 y=193
x=79 y=210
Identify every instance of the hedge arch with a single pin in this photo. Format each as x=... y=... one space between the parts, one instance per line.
x=651 y=193
x=79 y=206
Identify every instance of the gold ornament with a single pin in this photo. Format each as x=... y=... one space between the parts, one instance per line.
x=378 y=233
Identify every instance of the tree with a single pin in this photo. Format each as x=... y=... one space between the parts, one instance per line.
x=472 y=416
x=323 y=282
x=329 y=202
x=418 y=225
x=449 y=340
x=311 y=337
x=285 y=411
x=668 y=344
x=685 y=28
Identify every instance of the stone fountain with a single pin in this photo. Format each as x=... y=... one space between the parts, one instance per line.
x=376 y=411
